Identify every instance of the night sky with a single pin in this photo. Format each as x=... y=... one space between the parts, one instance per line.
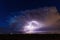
x=9 y=8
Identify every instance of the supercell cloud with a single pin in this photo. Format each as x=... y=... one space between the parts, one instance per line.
x=36 y=19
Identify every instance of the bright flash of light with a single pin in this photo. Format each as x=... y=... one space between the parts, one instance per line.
x=32 y=26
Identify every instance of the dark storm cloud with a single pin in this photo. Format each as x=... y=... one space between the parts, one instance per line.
x=48 y=15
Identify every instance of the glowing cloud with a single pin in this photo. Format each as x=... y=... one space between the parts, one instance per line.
x=32 y=26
